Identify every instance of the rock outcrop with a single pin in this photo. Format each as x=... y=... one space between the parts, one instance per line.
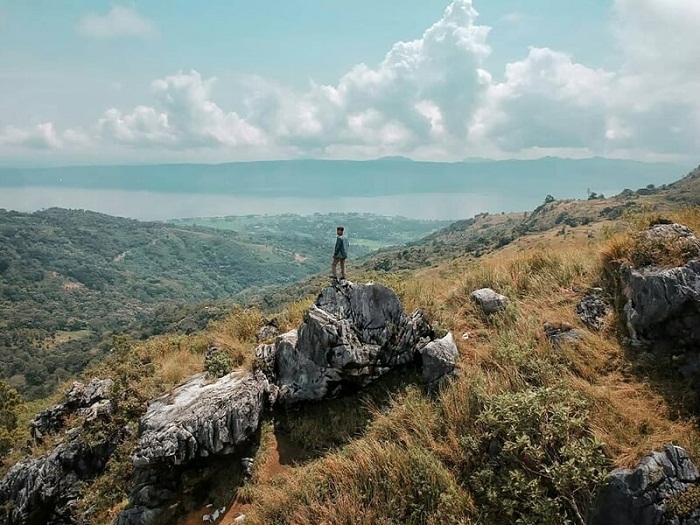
x=663 y=305
x=90 y=401
x=592 y=309
x=490 y=301
x=352 y=335
x=44 y=489
x=200 y=418
x=644 y=496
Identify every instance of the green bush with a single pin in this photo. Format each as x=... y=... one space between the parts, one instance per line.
x=531 y=459
x=218 y=364
x=10 y=402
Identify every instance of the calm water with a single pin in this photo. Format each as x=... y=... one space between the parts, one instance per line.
x=161 y=206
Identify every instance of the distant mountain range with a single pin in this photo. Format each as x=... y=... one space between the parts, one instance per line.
x=386 y=176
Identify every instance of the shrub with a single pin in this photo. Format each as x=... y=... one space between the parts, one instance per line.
x=10 y=402
x=532 y=459
x=218 y=364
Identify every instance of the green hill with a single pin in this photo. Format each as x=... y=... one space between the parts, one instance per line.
x=69 y=279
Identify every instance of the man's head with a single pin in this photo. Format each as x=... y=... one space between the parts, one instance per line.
x=340 y=230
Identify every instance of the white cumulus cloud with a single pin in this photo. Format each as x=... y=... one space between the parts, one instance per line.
x=185 y=117
x=119 y=22
x=424 y=91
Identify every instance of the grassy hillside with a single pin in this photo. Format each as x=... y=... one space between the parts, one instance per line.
x=525 y=434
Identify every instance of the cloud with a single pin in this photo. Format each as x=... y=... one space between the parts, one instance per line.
x=514 y=17
x=433 y=98
x=424 y=91
x=119 y=22
x=42 y=136
x=546 y=100
x=186 y=118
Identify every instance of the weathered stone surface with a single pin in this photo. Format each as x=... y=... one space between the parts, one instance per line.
x=352 y=335
x=269 y=330
x=438 y=359
x=489 y=301
x=43 y=489
x=592 y=309
x=561 y=333
x=200 y=418
x=80 y=398
x=664 y=304
x=80 y=395
x=639 y=496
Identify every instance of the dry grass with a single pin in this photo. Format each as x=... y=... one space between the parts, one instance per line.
x=504 y=353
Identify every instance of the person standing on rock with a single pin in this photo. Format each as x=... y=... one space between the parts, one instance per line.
x=340 y=253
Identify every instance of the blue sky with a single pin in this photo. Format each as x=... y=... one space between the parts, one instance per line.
x=102 y=82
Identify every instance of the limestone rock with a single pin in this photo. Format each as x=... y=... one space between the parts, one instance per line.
x=267 y=331
x=43 y=489
x=561 y=333
x=663 y=305
x=438 y=360
x=80 y=398
x=639 y=496
x=352 y=335
x=489 y=301
x=592 y=309
x=201 y=418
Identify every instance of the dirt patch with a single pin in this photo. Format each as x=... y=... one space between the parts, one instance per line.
x=282 y=457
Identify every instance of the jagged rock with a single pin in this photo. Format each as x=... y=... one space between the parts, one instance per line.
x=489 y=301
x=48 y=421
x=269 y=330
x=438 y=360
x=674 y=233
x=561 y=333
x=197 y=420
x=592 y=309
x=200 y=418
x=352 y=335
x=43 y=489
x=640 y=496
x=663 y=305
x=79 y=398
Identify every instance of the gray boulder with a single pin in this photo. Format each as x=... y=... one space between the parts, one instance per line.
x=640 y=496
x=489 y=301
x=81 y=399
x=44 y=489
x=592 y=309
x=663 y=304
x=438 y=360
x=200 y=418
x=352 y=335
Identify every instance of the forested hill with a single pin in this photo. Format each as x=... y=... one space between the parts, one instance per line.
x=71 y=278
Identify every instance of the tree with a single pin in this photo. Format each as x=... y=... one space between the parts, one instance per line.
x=10 y=402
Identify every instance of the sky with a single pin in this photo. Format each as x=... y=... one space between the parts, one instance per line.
x=94 y=82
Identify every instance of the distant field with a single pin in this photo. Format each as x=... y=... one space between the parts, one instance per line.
x=314 y=235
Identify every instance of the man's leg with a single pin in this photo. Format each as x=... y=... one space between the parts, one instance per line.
x=335 y=263
x=342 y=268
